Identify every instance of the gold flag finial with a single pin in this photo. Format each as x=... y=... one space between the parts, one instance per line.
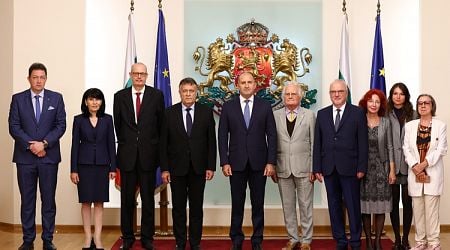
x=344 y=9
x=159 y=4
x=378 y=8
x=132 y=5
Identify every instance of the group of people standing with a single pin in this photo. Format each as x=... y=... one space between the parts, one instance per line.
x=368 y=156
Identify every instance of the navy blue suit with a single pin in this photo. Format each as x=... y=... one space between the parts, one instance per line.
x=247 y=150
x=339 y=155
x=93 y=157
x=24 y=127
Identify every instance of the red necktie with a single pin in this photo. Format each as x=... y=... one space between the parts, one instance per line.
x=138 y=105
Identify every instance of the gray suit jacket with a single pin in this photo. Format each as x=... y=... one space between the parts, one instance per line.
x=385 y=147
x=294 y=154
x=397 y=143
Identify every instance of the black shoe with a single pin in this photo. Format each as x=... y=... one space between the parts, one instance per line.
x=26 y=246
x=48 y=245
x=256 y=246
x=196 y=247
x=236 y=247
x=180 y=247
x=127 y=244
x=147 y=245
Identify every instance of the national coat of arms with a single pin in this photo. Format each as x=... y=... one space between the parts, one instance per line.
x=272 y=63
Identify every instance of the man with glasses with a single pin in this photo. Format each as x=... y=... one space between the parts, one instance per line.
x=138 y=114
x=37 y=120
x=340 y=158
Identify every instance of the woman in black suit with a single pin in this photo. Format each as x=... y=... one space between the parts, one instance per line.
x=93 y=161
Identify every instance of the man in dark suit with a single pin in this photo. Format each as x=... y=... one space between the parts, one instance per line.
x=188 y=159
x=37 y=120
x=340 y=158
x=248 y=152
x=138 y=114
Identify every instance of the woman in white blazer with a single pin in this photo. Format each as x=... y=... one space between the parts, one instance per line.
x=424 y=146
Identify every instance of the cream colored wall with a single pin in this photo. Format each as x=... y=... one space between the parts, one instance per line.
x=435 y=77
x=7 y=181
x=54 y=33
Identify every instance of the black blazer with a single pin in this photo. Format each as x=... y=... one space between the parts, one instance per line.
x=142 y=137
x=89 y=148
x=178 y=149
x=257 y=144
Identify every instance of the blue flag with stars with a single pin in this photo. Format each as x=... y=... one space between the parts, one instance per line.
x=162 y=77
x=377 y=79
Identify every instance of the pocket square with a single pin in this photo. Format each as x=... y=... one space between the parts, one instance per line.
x=51 y=108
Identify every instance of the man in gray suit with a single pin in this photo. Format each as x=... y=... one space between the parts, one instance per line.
x=295 y=133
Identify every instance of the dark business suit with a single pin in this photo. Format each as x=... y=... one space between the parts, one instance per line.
x=93 y=147
x=247 y=150
x=339 y=155
x=138 y=156
x=187 y=158
x=24 y=127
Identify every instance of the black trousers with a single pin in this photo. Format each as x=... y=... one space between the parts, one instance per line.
x=190 y=188
x=146 y=182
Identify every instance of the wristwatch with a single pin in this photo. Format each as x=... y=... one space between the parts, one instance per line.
x=45 y=143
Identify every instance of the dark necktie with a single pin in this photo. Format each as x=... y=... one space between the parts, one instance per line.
x=138 y=105
x=337 y=120
x=247 y=113
x=188 y=121
x=38 y=107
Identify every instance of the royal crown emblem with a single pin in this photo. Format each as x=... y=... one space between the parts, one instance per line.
x=271 y=63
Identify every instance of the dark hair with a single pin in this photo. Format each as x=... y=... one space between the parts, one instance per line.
x=93 y=93
x=433 y=104
x=37 y=66
x=368 y=96
x=408 y=111
x=187 y=80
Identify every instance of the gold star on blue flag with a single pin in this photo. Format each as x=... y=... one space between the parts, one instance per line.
x=377 y=80
x=162 y=77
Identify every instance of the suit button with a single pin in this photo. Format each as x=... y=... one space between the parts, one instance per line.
x=335 y=138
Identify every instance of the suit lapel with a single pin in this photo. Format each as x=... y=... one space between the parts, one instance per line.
x=298 y=120
x=128 y=102
x=282 y=120
x=344 y=116
x=237 y=107
x=179 y=119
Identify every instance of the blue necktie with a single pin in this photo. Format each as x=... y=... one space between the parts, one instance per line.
x=188 y=121
x=38 y=107
x=247 y=113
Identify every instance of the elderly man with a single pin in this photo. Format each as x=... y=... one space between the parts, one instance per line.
x=340 y=158
x=295 y=133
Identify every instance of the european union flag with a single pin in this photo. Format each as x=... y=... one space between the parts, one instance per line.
x=377 y=80
x=162 y=77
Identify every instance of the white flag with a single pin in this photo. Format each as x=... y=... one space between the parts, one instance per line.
x=344 y=59
x=130 y=57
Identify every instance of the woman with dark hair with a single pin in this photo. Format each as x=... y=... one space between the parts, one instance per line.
x=93 y=161
x=424 y=146
x=400 y=111
x=376 y=195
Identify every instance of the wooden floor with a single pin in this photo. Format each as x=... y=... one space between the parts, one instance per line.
x=73 y=239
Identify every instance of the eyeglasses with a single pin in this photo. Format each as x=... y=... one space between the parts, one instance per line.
x=339 y=92
x=139 y=74
x=424 y=103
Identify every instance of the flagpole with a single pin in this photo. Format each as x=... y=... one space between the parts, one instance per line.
x=163 y=200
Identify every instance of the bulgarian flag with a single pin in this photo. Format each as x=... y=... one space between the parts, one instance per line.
x=344 y=59
x=130 y=59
